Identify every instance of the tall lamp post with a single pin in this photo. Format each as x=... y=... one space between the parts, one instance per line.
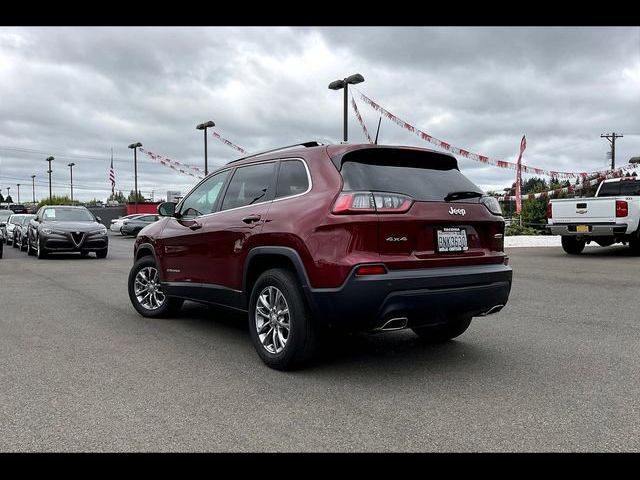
x=204 y=126
x=344 y=84
x=18 y=185
x=33 y=187
x=49 y=159
x=135 y=146
x=70 y=165
x=8 y=194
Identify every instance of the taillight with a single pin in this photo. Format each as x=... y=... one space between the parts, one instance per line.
x=549 y=210
x=622 y=208
x=371 y=270
x=371 y=202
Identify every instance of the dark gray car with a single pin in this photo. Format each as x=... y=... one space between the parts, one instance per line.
x=66 y=229
x=132 y=226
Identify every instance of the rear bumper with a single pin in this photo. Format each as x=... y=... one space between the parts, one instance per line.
x=595 y=229
x=424 y=296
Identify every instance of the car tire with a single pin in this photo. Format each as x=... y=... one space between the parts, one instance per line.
x=102 y=253
x=14 y=244
x=1 y=249
x=443 y=332
x=23 y=246
x=572 y=245
x=30 y=250
x=279 y=288
x=144 y=272
x=40 y=251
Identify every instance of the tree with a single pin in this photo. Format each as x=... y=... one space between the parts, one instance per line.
x=132 y=197
x=1 y=198
x=55 y=200
x=9 y=199
x=117 y=197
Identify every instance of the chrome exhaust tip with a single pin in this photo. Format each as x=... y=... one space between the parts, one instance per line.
x=397 y=323
x=494 y=309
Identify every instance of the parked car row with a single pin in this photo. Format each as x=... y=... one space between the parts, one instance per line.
x=56 y=229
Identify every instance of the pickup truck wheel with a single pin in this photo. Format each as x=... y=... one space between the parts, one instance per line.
x=443 y=332
x=280 y=325
x=572 y=245
x=145 y=291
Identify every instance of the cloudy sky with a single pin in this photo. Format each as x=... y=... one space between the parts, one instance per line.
x=75 y=93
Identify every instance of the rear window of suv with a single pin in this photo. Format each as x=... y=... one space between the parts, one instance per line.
x=424 y=176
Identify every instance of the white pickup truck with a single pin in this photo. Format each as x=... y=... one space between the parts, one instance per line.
x=612 y=216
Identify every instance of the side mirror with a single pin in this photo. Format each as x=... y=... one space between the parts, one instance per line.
x=167 y=209
x=99 y=219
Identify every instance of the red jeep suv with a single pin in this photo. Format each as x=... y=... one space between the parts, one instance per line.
x=312 y=237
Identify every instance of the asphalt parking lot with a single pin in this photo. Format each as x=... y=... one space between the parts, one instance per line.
x=555 y=370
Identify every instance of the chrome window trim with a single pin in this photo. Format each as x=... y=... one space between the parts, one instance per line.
x=306 y=167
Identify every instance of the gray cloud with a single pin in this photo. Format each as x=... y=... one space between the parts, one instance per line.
x=80 y=91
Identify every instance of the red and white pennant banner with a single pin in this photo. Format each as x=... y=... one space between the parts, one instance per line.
x=468 y=154
x=570 y=189
x=359 y=117
x=227 y=142
x=173 y=164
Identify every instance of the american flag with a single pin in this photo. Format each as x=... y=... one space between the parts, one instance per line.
x=112 y=175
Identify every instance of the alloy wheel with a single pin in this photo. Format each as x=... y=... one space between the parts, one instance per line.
x=147 y=289
x=273 y=320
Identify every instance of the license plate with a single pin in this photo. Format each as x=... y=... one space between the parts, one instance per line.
x=582 y=228
x=452 y=239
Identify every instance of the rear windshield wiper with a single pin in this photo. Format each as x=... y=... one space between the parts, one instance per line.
x=462 y=194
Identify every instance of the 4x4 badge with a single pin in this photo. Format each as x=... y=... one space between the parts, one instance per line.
x=457 y=211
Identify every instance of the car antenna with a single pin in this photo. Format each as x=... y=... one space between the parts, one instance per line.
x=377 y=131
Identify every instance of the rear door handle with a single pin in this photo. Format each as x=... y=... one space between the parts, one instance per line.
x=251 y=218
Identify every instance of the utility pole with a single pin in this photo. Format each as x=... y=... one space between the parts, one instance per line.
x=18 y=192
x=33 y=187
x=612 y=140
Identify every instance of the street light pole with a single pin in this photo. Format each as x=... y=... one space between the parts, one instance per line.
x=33 y=187
x=18 y=185
x=135 y=146
x=50 y=159
x=8 y=194
x=344 y=84
x=203 y=127
x=70 y=165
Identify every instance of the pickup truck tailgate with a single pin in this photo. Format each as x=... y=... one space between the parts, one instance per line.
x=587 y=210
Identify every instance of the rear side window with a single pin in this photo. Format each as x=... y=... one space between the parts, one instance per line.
x=424 y=176
x=292 y=179
x=620 y=189
x=249 y=185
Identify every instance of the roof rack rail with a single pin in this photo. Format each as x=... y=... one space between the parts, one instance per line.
x=311 y=143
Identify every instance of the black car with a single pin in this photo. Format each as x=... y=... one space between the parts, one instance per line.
x=17 y=208
x=134 y=225
x=66 y=229
x=20 y=232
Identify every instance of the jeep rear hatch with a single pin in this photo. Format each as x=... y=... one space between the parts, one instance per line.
x=429 y=213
